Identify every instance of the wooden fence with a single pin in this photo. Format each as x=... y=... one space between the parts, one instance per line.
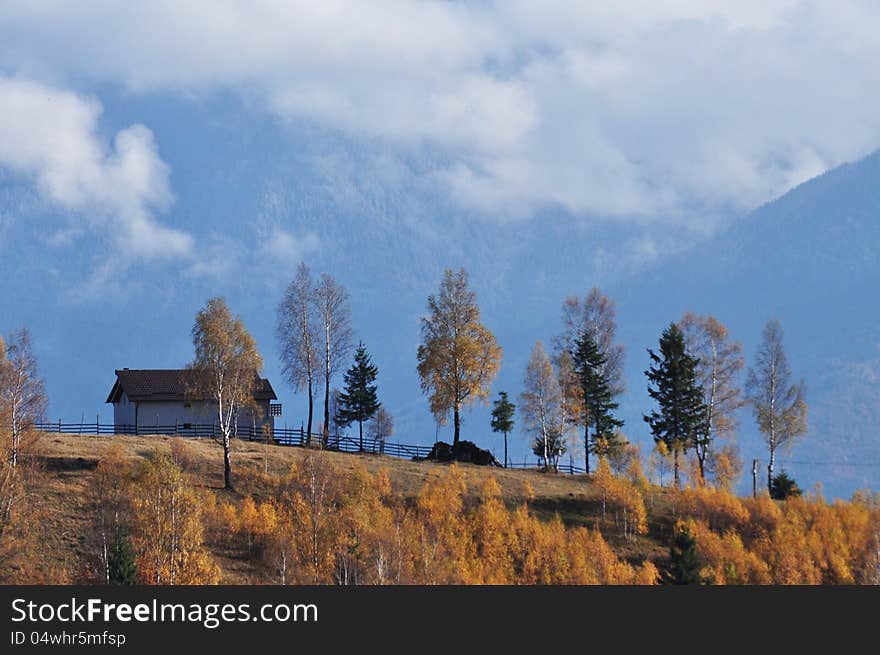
x=279 y=436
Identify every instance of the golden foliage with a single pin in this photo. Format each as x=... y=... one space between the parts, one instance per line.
x=166 y=526
x=459 y=357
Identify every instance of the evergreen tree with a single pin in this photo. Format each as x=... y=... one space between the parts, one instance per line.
x=502 y=418
x=783 y=487
x=121 y=561
x=684 y=561
x=598 y=399
x=359 y=402
x=673 y=386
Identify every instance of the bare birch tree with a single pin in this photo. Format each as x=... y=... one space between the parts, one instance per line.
x=226 y=367
x=298 y=338
x=22 y=404
x=719 y=366
x=778 y=404
x=540 y=406
x=21 y=390
x=334 y=319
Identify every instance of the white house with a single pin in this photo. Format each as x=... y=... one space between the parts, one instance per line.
x=156 y=400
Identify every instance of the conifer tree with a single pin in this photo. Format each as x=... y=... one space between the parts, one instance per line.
x=673 y=386
x=684 y=561
x=502 y=418
x=122 y=565
x=359 y=402
x=598 y=399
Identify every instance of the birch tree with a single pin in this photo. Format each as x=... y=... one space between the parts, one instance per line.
x=226 y=367
x=540 y=403
x=459 y=357
x=778 y=404
x=22 y=404
x=719 y=364
x=22 y=393
x=334 y=322
x=299 y=339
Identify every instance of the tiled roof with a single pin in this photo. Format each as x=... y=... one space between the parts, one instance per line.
x=168 y=384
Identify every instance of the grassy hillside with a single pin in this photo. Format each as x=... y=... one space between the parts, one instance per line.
x=489 y=537
x=67 y=464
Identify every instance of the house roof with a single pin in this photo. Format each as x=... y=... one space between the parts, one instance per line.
x=168 y=384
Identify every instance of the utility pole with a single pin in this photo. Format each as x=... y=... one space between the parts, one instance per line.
x=754 y=478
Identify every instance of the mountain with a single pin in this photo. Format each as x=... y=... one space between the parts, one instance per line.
x=809 y=259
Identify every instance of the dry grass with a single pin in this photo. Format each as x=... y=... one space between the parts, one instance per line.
x=69 y=460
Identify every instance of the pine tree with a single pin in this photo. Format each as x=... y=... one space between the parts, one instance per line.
x=598 y=399
x=121 y=561
x=673 y=386
x=684 y=561
x=502 y=418
x=359 y=402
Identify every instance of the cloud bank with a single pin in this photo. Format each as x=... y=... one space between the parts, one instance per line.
x=640 y=109
x=51 y=136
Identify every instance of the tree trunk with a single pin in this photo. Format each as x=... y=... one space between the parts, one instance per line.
x=227 y=465
x=770 y=468
x=311 y=410
x=587 y=449
x=361 y=435
x=675 y=467
x=457 y=425
x=326 y=435
x=505 y=450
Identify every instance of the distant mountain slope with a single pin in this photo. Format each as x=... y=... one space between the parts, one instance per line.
x=811 y=259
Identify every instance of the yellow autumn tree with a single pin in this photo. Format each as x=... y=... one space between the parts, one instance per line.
x=490 y=529
x=442 y=542
x=459 y=357
x=167 y=530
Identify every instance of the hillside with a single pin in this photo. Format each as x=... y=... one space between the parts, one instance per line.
x=472 y=537
x=68 y=463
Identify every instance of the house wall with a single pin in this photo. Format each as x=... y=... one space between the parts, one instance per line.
x=170 y=412
x=123 y=411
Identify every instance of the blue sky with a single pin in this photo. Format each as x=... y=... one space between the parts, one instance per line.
x=152 y=156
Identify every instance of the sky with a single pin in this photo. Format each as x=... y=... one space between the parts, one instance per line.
x=175 y=145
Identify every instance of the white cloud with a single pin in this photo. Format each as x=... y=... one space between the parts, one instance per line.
x=51 y=136
x=637 y=109
x=287 y=249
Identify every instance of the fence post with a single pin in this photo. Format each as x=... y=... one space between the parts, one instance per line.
x=59 y=426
